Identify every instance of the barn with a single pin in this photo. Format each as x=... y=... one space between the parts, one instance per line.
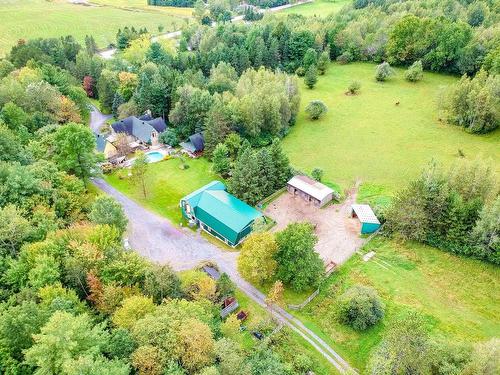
x=365 y=214
x=310 y=190
x=219 y=213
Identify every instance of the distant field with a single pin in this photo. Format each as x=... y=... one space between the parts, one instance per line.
x=26 y=19
x=369 y=137
x=320 y=8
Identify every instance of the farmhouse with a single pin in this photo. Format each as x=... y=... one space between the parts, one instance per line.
x=195 y=145
x=143 y=130
x=310 y=190
x=219 y=213
x=365 y=214
x=104 y=145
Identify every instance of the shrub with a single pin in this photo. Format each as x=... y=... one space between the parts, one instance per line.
x=383 y=72
x=315 y=109
x=311 y=77
x=415 y=72
x=345 y=58
x=301 y=72
x=354 y=87
x=317 y=174
x=169 y=137
x=360 y=307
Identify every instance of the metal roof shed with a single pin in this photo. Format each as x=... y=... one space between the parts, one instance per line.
x=365 y=214
x=310 y=190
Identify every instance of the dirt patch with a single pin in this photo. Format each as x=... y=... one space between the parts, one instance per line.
x=338 y=234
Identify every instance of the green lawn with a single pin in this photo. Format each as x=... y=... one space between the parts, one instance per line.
x=26 y=19
x=166 y=185
x=320 y=8
x=458 y=296
x=368 y=137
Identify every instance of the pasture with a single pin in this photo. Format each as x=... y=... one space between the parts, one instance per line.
x=27 y=19
x=369 y=137
x=318 y=8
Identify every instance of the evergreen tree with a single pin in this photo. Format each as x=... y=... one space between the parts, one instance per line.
x=281 y=164
x=310 y=58
x=117 y=102
x=311 y=76
x=323 y=61
x=245 y=180
x=220 y=159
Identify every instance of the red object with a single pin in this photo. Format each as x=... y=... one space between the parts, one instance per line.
x=227 y=302
x=242 y=315
x=88 y=86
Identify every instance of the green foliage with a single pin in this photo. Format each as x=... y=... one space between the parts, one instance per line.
x=14 y=230
x=256 y=261
x=220 y=159
x=45 y=272
x=133 y=308
x=139 y=169
x=415 y=72
x=106 y=210
x=360 y=307
x=315 y=109
x=121 y=344
x=383 y=72
x=317 y=174
x=323 y=62
x=298 y=263
x=354 y=87
x=311 y=76
x=169 y=137
x=225 y=286
x=161 y=282
x=486 y=232
x=310 y=58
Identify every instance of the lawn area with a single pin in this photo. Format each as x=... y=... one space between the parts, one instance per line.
x=320 y=8
x=458 y=296
x=166 y=185
x=368 y=137
x=102 y=19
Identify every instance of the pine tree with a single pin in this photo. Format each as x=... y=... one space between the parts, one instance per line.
x=117 y=102
x=323 y=62
x=245 y=180
x=282 y=169
x=220 y=159
x=311 y=76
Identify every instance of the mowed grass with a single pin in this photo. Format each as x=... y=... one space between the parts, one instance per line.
x=318 y=8
x=166 y=185
x=457 y=296
x=28 y=19
x=369 y=137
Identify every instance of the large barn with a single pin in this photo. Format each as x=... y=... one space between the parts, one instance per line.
x=310 y=190
x=219 y=213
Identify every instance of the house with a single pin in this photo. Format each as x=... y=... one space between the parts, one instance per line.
x=195 y=145
x=144 y=129
x=104 y=145
x=365 y=214
x=310 y=190
x=219 y=213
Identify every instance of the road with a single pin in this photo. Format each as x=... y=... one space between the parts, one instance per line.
x=97 y=119
x=155 y=238
x=108 y=53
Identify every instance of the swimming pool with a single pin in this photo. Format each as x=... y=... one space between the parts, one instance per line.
x=154 y=156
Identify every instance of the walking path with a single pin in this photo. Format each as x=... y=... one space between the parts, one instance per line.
x=108 y=53
x=156 y=238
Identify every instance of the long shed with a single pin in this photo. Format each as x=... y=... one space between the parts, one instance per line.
x=310 y=190
x=368 y=219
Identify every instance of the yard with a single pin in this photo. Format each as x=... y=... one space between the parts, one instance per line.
x=320 y=8
x=99 y=18
x=458 y=296
x=369 y=137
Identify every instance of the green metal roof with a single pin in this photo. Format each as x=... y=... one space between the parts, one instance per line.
x=228 y=210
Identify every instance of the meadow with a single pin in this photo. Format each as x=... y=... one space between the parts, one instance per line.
x=27 y=19
x=318 y=8
x=371 y=138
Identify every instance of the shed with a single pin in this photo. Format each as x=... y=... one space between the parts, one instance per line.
x=219 y=213
x=310 y=190
x=195 y=144
x=365 y=214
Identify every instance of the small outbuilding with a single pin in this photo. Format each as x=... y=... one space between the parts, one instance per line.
x=365 y=214
x=195 y=145
x=310 y=190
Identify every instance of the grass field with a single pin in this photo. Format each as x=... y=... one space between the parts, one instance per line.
x=457 y=296
x=367 y=136
x=26 y=19
x=166 y=185
x=319 y=8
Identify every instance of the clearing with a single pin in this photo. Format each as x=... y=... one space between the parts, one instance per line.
x=99 y=18
x=368 y=137
x=318 y=8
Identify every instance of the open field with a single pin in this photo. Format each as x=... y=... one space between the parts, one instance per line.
x=457 y=296
x=367 y=136
x=166 y=185
x=26 y=19
x=319 y=8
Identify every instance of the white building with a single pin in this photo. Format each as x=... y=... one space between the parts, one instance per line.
x=310 y=190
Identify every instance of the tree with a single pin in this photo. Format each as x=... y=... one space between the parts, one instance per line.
x=230 y=328
x=107 y=84
x=225 y=287
x=354 y=88
x=317 y=174
x=200 y=10
x=245 y=182
x=230 y=356
x=298 y=263
x=486 y=233
x=106 y=210
x=68 y=111
x=310 y=58
x=6 y=67
x=139 y=171
x=74 y=149
x=121 y=344
x=256 y=261
x=88 y=365
x=64 y=338
x=89 y=86
x=484 y=359
x=148 y=360
x=311 y=76
x=196 y=345
x=220 y=159
x=415 y=72
x=14 y=230
x=476 y=13
x=315 y=109
x=275 y=296
x=223 y=77
x=162 y=282
x=383 y=72
x=45 y=272
x=117 y=102
x=197 y=285
x=323 y=61
x=133 y=308
x=360 y=307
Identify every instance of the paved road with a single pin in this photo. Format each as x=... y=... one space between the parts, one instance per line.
x=97 y=119
x=156 y=238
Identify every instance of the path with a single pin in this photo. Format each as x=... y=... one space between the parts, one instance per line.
x=108 y=53
x=97 y=119
x=156 y=238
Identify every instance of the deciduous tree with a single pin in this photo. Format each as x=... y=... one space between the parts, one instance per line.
x=256 y=261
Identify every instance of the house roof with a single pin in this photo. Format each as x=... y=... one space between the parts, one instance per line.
x=198 y=141
x=214 y=200
x=365 y=213
x=139 y=128
x=311 y=187
x=100 y=141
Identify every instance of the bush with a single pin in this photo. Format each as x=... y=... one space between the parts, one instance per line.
x=345 y=58
x=169 y=137
x=415 y=72
x=311 y=76
x=315 y=109
x=301 y=72
x=317 y=174
x=354 y=87
x=383 y=72
x=360 y=307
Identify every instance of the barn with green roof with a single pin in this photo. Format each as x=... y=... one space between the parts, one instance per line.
x=219 y=213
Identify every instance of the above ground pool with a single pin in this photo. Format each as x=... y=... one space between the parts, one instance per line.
x=154 y=156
